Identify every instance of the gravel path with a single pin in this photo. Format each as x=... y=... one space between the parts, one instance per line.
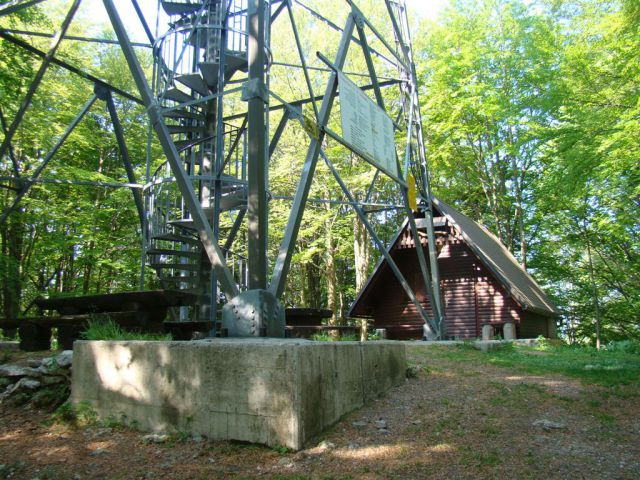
x=459 y=417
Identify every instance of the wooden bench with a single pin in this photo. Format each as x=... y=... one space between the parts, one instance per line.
x=304 y=322
x=306 y=331
x=135 y=311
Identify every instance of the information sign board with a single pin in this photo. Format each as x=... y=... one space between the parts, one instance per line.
x=367 y=128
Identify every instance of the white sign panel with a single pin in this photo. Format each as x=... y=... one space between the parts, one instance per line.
x=366 y=127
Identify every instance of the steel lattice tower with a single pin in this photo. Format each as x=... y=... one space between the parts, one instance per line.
x=210 y=105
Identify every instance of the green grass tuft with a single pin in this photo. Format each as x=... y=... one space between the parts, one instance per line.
x=326 y=337
x=603 y=367
x=101 y=327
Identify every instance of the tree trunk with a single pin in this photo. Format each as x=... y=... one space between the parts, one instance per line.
x=517 y=190
x=331 y=273
x=362 y=258
x=312 y=283
x=12 y=241
x=594 y=286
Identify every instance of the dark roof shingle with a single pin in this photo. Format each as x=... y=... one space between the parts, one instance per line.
x=499 y=261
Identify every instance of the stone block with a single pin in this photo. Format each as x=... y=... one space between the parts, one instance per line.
x=278 y=392
x=487 y=332
x=9 y=345
x=509 y=331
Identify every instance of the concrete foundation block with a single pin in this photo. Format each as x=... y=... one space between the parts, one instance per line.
x=509 y=331
x=487 y=332
x=278 y=392
x=9 y=345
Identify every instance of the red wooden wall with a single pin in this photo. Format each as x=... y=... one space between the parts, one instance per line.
x=472 y=296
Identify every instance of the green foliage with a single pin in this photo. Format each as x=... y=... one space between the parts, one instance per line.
x=280 y=449
x=616 y=369
x=373 y=336
x=81 y=414
x=414 y=369
x=610 y=368
x=5 y=337
x=102 y=327
x=532 y=115
x=626 y=346
x=51 y=397
x=327 y=337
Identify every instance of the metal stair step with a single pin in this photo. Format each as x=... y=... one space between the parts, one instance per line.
x=233 y=200
x=185 y=144
x=180 y=113
x=199 y=38
x=177 y=253
x=195 y=82
x=187 y=267
x=236 y=61
x=180 y=8
x=173 y=237
x=196 y=291
x=177 y=95
x=185 y=129
x=233 y=63
x=185 y=223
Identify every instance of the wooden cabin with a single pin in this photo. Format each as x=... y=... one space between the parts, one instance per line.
x=481 y=282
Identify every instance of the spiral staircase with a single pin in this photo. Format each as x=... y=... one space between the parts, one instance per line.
x=203 y=51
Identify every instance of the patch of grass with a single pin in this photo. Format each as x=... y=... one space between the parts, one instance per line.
x=497 y=400
x=327 y=337
x=101 y=327
x=11 y=469
x=292 y=477
x=458 y=353
x=489 y=459
x=80 y=414
x=626 y=346
x=594 y=403
x=450 y=424
x=281 y=449
x=466 y=345
x=480 y=459
x=529 y=458
x=52 y=473
x=489 y=431
x=605 y=419
x=51 y=397
x=609 y=368
x=617 y=369
x=413 y=370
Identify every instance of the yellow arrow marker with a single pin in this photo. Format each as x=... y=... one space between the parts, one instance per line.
x=310 y=126
x=411 y=183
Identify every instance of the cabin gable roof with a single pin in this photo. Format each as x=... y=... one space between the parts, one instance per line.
x=493 y=255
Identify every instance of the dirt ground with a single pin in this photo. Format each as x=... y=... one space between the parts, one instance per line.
x=460 y=417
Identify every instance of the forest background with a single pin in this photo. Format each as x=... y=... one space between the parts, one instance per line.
x=531 y=110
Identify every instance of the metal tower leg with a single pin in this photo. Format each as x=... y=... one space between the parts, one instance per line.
x=257 y=207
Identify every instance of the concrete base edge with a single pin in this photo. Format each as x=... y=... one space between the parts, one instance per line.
x=278 y=392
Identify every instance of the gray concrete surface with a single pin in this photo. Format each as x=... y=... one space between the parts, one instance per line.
x=509 y=331
x=278 y=392
x=9 y=345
